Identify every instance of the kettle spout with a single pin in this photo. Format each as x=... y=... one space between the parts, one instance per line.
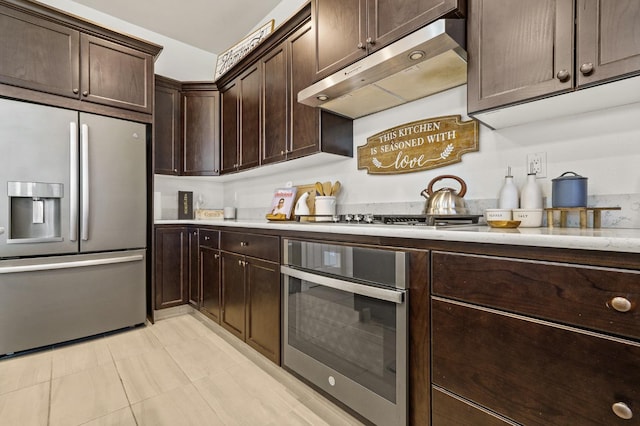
x=425 y=194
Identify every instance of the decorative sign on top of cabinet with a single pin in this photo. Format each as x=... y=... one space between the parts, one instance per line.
x=507 y=66
x=348 y=31
x=46 y=51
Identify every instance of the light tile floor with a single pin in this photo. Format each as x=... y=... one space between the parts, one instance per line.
x=183 y=370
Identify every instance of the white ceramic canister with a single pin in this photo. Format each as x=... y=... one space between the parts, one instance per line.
x=326 y=207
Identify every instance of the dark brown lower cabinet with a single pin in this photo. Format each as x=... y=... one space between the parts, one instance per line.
x=171 y=266
x=530 y=371
x=210 y=282
x=194 y=269
x=233 y=293
x=263 y=307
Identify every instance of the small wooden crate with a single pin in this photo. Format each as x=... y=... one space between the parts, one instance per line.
x=597 y=215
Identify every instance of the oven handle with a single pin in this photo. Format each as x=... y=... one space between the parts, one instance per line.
x=396 y=296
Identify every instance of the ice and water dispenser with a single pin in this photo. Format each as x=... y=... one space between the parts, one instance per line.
x=34 y=212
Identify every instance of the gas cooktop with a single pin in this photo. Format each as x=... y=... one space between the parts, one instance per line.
x=404 y=219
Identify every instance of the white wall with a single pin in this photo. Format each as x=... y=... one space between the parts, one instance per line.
x=603 y=146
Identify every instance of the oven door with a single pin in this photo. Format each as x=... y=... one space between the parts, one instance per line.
x=350 y=340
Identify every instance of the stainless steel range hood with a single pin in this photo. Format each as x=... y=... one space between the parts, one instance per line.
x=425 y=62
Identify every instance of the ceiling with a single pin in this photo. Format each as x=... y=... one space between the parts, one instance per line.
x=211 y=25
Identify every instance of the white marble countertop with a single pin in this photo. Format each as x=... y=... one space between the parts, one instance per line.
x=607 y=239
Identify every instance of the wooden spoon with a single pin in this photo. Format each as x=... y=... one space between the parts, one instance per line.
x=336 y=188
x=326 y=188
x=319 y=189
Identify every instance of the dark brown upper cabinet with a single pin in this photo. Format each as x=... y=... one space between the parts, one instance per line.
x=166 y=126
x=346 y=31
x=608 y=40
x=115 y=75
x=200 y=130
x=38 y=54
x=291 y=129
x=241 y=106
x=44 y=50
x=186 y=128
x=521 y=51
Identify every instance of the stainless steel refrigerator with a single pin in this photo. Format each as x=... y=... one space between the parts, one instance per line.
x=73 y=231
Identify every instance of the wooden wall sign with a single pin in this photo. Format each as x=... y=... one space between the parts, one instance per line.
x=232 y=56
x=419 y=145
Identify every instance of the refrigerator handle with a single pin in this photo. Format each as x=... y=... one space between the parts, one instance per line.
x=84 y=138
x=73 y=181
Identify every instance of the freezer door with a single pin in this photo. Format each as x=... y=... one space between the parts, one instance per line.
x=35 y=166
x=113 y=186
x=49 y=300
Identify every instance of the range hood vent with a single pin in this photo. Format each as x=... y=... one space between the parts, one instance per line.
x=425 y=62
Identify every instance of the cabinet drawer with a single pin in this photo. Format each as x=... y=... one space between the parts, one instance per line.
x=530 y=371
x=209 y=238
x=448 y=409
x=262 y=246
x=572 y=294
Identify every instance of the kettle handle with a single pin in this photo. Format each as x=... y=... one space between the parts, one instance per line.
x=463 y=185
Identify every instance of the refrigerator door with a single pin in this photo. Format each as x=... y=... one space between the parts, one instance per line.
x=53 y=299
x=113 y=186
x=36 y=164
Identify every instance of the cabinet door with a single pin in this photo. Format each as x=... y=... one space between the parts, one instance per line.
x=340 y=34
x=532 y=372
x=608 y=40
x=250 y=120
x=390 y=20
x=170 y=267
x=305 y=120
x=38 y=54
x=115 y=75
x=166 y=130
x=518 y=50
x=275 y=91
x=263 y=307
x=210 y=282
x=229 y=127
x=194 y=269
x=200 y=133
x=232 y=272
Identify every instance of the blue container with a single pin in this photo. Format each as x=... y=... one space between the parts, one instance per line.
x=569 y=191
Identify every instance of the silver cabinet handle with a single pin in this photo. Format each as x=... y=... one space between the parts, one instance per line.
x=396 y=296
x=622 y=410
x=361 y=46
x=371 y=41
x=563 y=75
x=84 y=139
x=73 y=181
x=207 y=238
x=75 y=90
x=85 y=93
x=620 y=304
x=216 y=256
x=244 y=244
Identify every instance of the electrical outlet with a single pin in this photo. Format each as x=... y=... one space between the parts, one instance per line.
x=537 y=163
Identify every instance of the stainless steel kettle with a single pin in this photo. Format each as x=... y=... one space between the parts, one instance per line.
x=445 y=201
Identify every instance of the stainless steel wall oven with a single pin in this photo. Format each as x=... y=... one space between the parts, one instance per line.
x=345 y=324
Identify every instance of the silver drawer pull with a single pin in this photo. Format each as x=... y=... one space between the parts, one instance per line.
x=207 y=238
x=620 y=304
x=622 y=410
x=243 y=244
